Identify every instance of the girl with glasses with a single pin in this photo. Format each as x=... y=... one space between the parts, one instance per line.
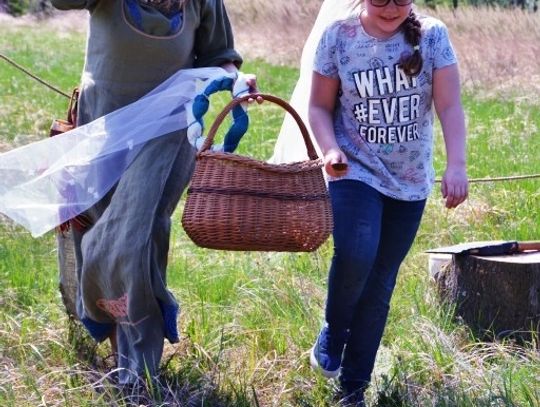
x=378 y=77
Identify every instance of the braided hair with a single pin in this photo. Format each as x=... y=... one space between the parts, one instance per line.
x=412 y=63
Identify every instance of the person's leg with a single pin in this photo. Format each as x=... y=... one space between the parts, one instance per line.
x=124 y=256
x=177 y=181
x=357 y=210
x=399 y=226
x=99 y=331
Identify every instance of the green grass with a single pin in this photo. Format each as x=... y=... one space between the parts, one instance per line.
x=248 y=319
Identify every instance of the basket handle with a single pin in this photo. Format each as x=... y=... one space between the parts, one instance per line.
x=312 y=154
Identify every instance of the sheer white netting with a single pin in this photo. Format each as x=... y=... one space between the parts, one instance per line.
x=43 y=184
x=289 y=146
x=48 y=182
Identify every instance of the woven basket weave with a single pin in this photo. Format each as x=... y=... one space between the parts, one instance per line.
x=239 y=203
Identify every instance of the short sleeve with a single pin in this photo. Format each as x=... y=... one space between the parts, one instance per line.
x=325 y=61
x=214 y=43
x=443 y=51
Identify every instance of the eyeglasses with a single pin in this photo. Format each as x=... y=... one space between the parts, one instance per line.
x=383 y=3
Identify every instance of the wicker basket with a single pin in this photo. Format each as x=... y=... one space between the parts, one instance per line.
x=238 y=203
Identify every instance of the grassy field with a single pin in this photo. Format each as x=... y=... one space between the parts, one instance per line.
x=249 y=319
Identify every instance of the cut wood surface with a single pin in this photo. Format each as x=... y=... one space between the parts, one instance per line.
x=495 y=295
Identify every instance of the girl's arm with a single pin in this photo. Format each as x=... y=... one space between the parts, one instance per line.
x=447 y=101
x=322 y=103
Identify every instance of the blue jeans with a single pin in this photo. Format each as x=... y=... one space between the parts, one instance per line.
x=372 y=235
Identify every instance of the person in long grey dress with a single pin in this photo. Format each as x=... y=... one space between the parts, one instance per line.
x=121 y=248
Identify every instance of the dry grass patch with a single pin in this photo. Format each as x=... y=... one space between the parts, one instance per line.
x=473 y=213
x=498 y=49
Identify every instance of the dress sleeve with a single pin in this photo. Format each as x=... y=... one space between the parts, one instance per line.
x=214 y=43
x=325 y=61
x=73 y=4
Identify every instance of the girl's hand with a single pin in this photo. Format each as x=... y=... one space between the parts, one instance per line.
x=335 y=162
x=455 y=186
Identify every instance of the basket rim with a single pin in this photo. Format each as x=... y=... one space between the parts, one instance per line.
x=252 y=193
x=297 y=166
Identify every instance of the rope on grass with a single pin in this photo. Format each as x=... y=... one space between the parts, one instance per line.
x=43 y=82
x=496 y=179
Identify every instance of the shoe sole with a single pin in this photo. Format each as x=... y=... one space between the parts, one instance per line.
x=329 y=374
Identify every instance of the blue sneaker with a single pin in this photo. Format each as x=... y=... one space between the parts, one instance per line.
x=327 y=352
x=353 y=400
x=352 y=393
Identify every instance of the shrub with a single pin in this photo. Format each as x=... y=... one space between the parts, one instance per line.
x=19 y=7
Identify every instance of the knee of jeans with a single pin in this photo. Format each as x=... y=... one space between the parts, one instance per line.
x=350 y=270
x=352 y=264
x=354 y=257
x=378 y=306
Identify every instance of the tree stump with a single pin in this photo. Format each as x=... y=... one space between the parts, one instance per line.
x=67 y=265
x=497 y=296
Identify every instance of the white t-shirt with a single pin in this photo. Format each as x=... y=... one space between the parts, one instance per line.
x=384 y=119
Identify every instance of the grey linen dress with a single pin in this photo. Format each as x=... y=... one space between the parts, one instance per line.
x=122 y=254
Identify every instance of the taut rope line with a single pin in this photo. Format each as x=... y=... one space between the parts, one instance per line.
x=16 y=65
x=495 y=179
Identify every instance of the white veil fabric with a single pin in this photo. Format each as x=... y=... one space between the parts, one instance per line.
x=289 y=145
x=48 y=182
